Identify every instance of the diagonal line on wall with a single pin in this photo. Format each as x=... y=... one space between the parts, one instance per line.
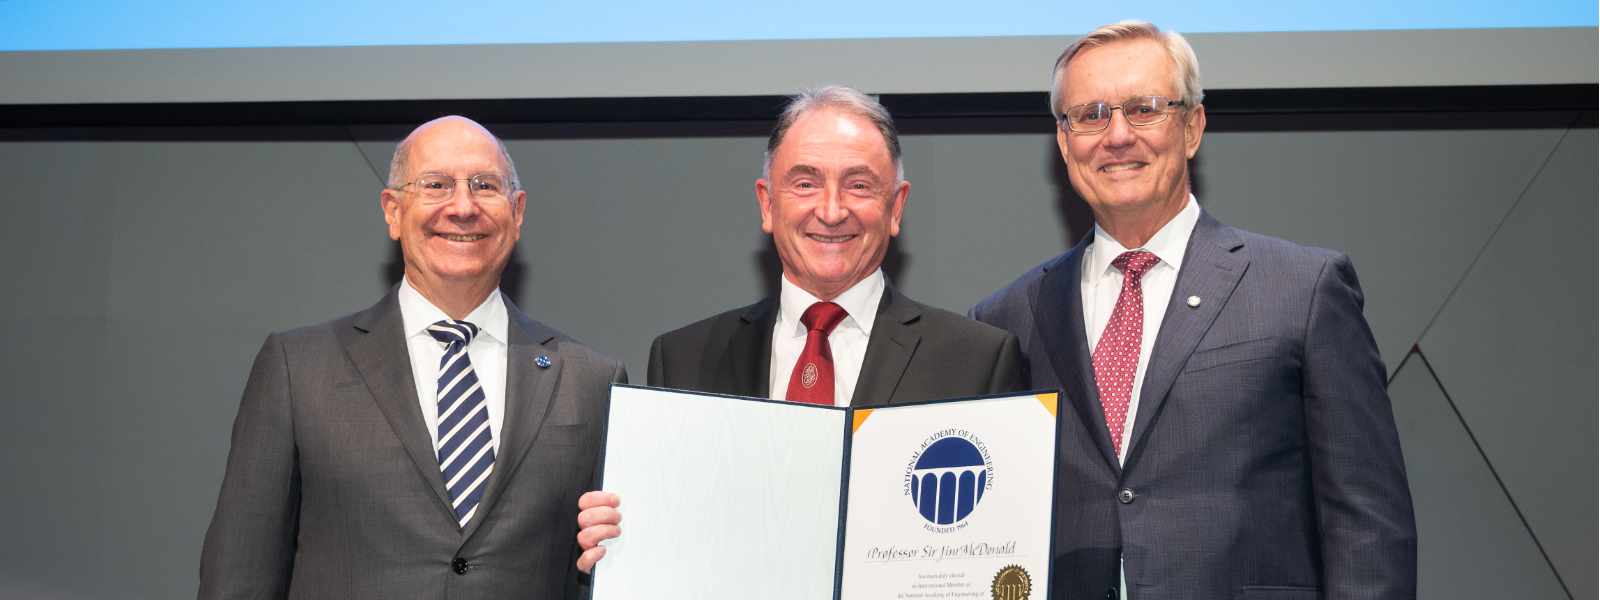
x=1484 y=249
x=350 y=133
x=1396 y=374
x=1417 y=351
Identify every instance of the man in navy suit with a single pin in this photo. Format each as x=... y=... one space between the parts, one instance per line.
x=1229 y=436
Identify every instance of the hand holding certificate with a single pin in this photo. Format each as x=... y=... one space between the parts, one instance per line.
x=736 y=497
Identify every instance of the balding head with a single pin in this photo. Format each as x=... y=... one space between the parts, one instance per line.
x=400 y=162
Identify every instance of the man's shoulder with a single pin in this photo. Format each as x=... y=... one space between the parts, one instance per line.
x=1286 y=262
x=1275 y=248
x=719 y=325
x=1016 y=298
x=944 y=325
x=539 y=332
x=325 y=331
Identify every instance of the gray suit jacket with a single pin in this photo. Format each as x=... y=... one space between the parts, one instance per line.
x=1263 y=461
x=915 y=352
x=333 y=491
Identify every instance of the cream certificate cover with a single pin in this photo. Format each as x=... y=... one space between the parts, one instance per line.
x=722 y=497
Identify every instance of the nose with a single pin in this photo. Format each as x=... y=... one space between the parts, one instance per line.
x=460 y=203
x=831 y=211
x=1119 y=132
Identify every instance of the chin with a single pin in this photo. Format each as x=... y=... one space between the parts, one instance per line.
x=463 y=272
x=1126 y=199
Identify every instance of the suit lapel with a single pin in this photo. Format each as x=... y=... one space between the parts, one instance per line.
x=377 y=346
x=529 y=392
x=746 y=363
x=1058 y=310
x=889 y=350
x=1212 y=267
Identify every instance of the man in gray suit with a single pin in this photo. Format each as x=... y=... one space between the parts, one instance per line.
x=1229 y=436
x=831 y=194
x=430 y=446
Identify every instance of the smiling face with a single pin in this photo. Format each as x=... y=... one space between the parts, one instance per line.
x=1125 y=171
x=458 y=242
x=832 y=202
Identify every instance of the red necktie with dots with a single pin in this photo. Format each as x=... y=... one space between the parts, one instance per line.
x=1116 y=356
x=812 y=379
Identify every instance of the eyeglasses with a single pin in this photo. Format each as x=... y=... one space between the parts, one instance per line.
x=1140 y=111
x=435 y=187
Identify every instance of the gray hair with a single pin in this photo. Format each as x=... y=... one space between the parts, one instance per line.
x=1183 y=58
x=402 y=153
x=841 y=97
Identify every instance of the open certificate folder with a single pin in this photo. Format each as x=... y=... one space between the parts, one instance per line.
x=727 y=497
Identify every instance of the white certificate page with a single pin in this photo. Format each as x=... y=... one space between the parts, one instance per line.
x=951 y=500
x=721 y=497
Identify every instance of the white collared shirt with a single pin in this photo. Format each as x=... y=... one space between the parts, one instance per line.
x=848 y=341
x=1101 y=283
x=487 y=353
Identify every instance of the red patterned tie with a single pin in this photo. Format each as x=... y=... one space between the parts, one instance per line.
x=812 y=379
x=1116 y=356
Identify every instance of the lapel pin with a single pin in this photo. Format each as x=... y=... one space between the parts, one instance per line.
x=1194 y=302
x=543 y=361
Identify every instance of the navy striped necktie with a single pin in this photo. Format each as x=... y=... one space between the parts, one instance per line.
x=466 y=447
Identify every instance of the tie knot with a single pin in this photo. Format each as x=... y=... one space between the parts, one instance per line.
x=823 y=316
x=450 y=332
x=1135 y=262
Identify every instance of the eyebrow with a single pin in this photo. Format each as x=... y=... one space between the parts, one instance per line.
x=803 y=170
x=861 y=170
x=495 y=173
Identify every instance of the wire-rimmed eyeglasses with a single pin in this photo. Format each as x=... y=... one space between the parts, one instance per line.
x=435 y=187
x=1140 y=111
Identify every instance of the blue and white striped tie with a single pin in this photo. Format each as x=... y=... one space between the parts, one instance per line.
x=466 y=447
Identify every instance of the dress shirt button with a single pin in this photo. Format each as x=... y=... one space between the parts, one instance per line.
x=1126 y=496
x=459 y=565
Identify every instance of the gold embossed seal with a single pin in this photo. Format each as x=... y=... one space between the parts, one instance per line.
x=1011 y=583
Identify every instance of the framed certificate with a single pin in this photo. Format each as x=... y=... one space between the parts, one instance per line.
x=725 y=496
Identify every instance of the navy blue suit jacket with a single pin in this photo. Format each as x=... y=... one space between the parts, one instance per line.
x=1263 y=461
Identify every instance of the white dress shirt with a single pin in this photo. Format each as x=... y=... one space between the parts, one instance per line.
x=848 y=341
x=487 y=352
x=1101 y=284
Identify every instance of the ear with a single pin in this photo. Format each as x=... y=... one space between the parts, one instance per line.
x=390 y=201
x=764 y=202
x=519 y=206
x=1061 y=140
x=1193 y=129
x=897 y=207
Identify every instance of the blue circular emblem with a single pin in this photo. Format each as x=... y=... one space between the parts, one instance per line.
x=948 y=480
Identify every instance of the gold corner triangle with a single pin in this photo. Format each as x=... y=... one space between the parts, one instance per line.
x=1049 y=402
x=860 y=417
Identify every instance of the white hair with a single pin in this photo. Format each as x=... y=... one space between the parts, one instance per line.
x=835 y=96
x=1187 y=71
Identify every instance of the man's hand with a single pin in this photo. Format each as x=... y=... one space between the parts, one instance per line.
x=598 y=520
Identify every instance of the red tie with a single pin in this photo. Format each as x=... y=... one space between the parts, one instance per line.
x=812 y=379
x=1116 y=356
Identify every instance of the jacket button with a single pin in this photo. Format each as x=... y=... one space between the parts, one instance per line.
x=1126 y=496
x=1111 y=594
x=459 y=565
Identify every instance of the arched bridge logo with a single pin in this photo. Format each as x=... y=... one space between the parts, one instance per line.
x=947 y=477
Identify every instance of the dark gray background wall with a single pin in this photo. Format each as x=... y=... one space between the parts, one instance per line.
x=150 y=263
